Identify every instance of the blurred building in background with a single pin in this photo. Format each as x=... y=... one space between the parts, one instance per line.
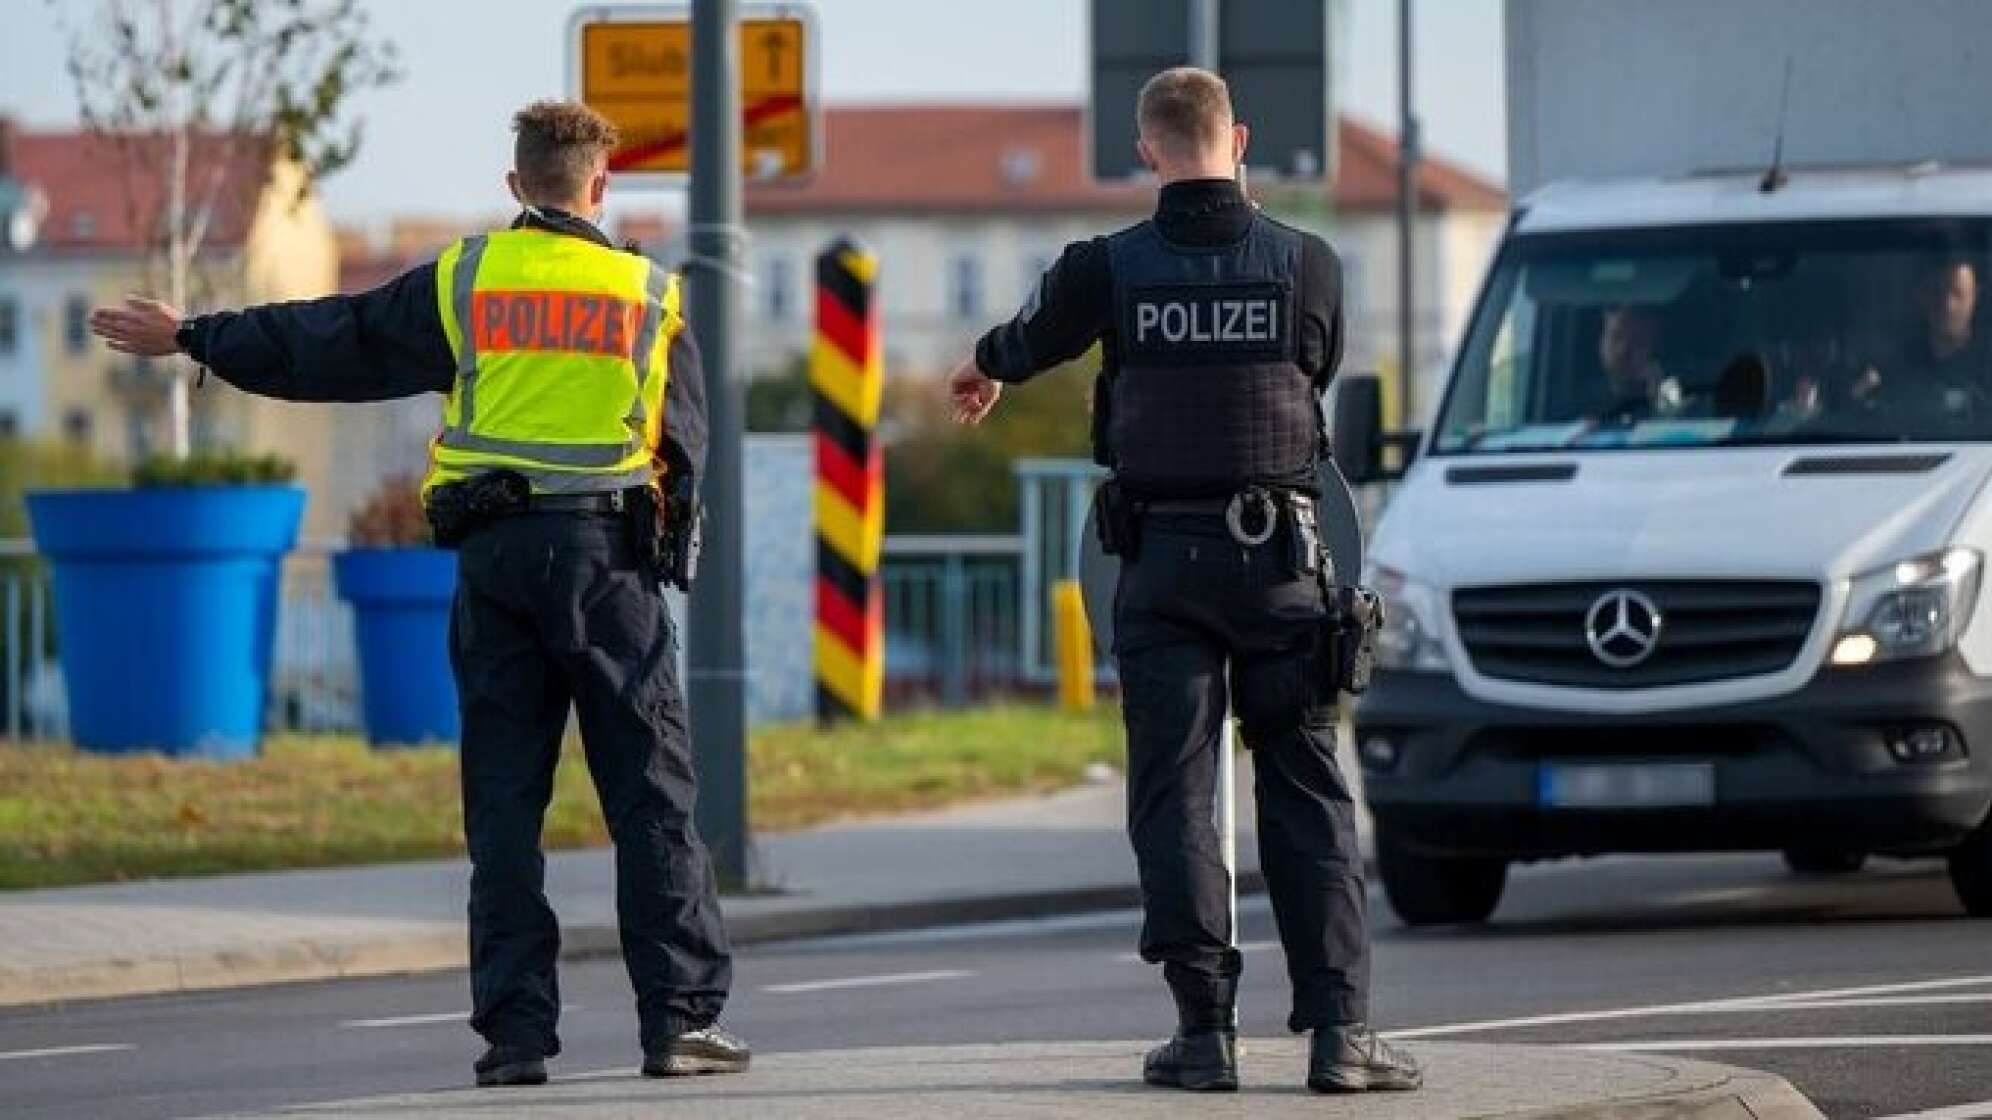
x=88 y=247
x=967 y=204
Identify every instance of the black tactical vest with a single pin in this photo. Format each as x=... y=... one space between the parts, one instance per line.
x=1209 y=395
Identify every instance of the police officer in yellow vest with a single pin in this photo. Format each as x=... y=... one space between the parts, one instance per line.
x=574 y=427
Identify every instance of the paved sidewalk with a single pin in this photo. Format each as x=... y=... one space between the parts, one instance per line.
x=1005 y=859
x=1095 y=1079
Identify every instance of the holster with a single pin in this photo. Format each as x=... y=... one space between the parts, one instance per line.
x=1119 y=523
x=666 y=522
x=457 y=509
x=1348 y=637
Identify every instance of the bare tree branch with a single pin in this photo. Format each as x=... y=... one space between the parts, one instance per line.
x=184 y=93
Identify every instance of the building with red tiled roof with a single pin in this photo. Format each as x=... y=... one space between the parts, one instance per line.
x=102 y=209
x=105 y=196
x=966 y=204
x=908 y=159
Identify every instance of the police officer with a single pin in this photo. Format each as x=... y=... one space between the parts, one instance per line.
x=1220 y=329
x=570 y=377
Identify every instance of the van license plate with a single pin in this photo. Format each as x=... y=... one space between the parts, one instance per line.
x=1622 y=786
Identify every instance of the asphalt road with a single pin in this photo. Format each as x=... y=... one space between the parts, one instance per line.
x=1870 y=993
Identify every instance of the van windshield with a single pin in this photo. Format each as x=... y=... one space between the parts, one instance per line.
x=1788 y=333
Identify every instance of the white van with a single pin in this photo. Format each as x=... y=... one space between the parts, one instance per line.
x=1691 y=556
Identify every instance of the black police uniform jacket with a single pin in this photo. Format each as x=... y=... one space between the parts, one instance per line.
x=1220 y=328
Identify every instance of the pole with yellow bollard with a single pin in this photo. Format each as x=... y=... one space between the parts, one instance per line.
x=1072 y=641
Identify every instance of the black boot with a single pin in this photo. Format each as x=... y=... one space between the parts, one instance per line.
x=1203 y=1054
x=504 y=1064
x=707 y=1050
x=1352 y=1059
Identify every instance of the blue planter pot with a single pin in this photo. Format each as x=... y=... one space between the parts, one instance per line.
x=401 y=614
x=166 y=606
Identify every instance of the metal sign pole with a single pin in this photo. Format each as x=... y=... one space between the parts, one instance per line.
x=1204 y=53
x=1407 y=217
x=716 y=673
x=1227 y=812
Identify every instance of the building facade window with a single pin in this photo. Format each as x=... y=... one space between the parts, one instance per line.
x=965 y=287
x=778 y=295
x=77 y=425
x=76 y=323
x=10 y=324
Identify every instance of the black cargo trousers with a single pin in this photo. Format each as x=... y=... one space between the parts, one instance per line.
x=556 y=610
x=1193 y=604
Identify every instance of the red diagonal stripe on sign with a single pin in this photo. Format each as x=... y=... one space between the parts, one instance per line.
x=842 y=327
x=758 y=113
x=845 y=620
x=843 y=474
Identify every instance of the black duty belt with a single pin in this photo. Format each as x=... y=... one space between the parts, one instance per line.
x=608 y=501
x=1210 y=507
x=1251 y=515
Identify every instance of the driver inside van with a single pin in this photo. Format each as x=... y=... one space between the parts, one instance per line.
x=1634 y=385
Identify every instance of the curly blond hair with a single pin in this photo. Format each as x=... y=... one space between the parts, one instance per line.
x=560 y=146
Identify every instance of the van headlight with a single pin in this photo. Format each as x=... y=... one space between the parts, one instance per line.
x=1406 y=643
x=1916 y=608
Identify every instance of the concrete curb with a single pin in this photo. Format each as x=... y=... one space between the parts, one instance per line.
x=443 y=948
x=1742 y=1094
x=1090 y=1079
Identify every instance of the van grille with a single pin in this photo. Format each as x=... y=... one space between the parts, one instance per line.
x=1710 y=631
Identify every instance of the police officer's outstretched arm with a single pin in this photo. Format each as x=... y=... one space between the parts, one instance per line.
x=377 y=345
x=1066 y=313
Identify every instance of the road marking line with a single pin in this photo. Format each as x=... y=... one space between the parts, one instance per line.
x=1978 y=1110
x=407 y=1020
x=1018 y=927
x=1769 y=1002
x=67 y=1051
x=1821 y=1043
x=866 y=981
x=423 y=1020
x=1243 y=947
x=1881 y=989
x=1874 y=1001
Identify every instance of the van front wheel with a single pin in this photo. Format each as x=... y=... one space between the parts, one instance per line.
x=1429 y=890
x=1971 y=871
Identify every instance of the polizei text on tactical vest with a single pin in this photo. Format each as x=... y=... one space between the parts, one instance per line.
x=553 y=322
x=1207 y=320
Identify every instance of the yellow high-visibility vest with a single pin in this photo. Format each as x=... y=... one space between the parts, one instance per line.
x=562 y=352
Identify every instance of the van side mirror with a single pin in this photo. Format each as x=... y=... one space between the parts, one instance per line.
x=1356 y=435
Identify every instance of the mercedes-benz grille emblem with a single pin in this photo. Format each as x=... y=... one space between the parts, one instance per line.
x=1623 y=628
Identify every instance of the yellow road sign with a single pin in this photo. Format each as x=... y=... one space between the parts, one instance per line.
x=635 y=67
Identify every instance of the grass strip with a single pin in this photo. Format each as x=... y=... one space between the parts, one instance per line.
x=69 y=817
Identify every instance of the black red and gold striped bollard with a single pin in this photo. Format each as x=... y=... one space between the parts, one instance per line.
x=846 y=377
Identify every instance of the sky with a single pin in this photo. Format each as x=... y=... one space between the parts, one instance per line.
x=436 y=143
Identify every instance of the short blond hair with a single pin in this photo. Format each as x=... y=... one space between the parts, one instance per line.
x=1185 y=110
x=560 y=146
